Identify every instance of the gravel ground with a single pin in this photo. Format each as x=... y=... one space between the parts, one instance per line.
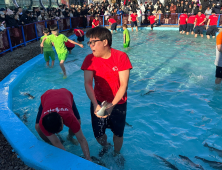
x=9 y=62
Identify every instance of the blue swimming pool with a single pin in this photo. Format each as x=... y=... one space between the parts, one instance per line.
x=181 y=114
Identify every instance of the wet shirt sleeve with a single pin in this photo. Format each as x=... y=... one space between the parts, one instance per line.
x=88 y=63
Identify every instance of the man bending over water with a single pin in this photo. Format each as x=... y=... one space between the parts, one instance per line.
x=58 y=108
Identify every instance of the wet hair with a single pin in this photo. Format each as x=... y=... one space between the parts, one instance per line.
x=124 y=25
x=100 y=32
x=52 y=122
x=46 y=30
x=53 y=28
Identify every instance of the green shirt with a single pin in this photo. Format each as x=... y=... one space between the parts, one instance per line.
x=47 y=44
x=59 y=43
x=127 y=35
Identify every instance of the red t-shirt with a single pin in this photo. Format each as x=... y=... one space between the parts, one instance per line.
x=112 y=21
x=152 y=19
x=69 y=44
x=95 y=22
x=76 y=32
x=106 y=74
x=191 y=19
x=133 y=17
x=200 y=19
x=183 y=18
x=213 y=19
x=60 y=101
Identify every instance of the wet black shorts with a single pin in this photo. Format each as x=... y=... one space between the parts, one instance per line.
x=70 y=48
x=113 y=26
x=133 y=24
x=199 y=29
x=190 y=27
x=212 y=30
x=218 y=72
x=183 y=27
x=116 y=121
x=74 y=108
x=151 y=25
x=80 y=39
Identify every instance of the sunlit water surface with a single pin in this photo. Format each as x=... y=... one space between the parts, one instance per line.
x=181 y=115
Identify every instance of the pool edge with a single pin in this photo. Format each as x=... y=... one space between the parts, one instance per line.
x=33 y=152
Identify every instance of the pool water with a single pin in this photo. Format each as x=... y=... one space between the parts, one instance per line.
x=182 y=113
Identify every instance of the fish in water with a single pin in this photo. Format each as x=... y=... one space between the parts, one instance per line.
x=23 y=118
x=29 y=95
x=168 y=164
x=150 y=91
x=190 y=162
x=96 y=160
x=71 y=61
x=219 y=152
x=128 y=124
x=213 y=164
x=104 y=105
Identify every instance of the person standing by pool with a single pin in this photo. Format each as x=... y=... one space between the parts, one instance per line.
x=57 y=109
x=134 y=20
x=126 y=37
x=113 y=23
x=59 y=42
x=212 y=25
x=110 y=70
x=183 y=22
x=47 y=49
x=218 y=60
x=95 y=22
x=190 y=24
x=152 y=20
x=199 y=27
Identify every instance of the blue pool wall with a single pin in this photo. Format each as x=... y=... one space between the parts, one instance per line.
x=35 y=153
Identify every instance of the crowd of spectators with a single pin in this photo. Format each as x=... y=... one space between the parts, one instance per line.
x=14 y=18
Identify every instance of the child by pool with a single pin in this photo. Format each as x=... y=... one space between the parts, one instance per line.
x=47 y=49
x=152 y=20
x=58 y=40
x=80 y=34
x=126 y=36
x=113 y=24
x=69 y=46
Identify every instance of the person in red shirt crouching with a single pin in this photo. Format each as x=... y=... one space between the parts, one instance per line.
x=199 y=28
x=183 y=22
x=95 y=22
x=113 y=24
x=69 y=46
x=57 y=109
x=80 y=34
x=110 y=69
x=212 y=29
x=190 y=24
x=152 y=20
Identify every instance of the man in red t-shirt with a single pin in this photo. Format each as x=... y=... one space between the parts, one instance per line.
x=190 y=24
x=134 y=20
x=212 y=25
x=80 y=34
x=58 y=108
x=95 y=22
x=113 y=24
x=183 y=22
x=152 y=20
x=110 y=70
x=200 y=20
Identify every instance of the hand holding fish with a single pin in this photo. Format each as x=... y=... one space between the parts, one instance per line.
x=104 y=110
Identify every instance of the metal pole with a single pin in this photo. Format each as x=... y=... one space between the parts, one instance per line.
x=103 y=21
x=159 y=18
x=23 y=36
x=45 y=24
x=70 y=22
x=58 y=25
x=218 y=22
x=9 y=40
x=121 y=20
x=36 y=33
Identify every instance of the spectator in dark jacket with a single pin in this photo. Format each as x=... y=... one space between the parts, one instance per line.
x=25 y=19
x=217 y=8
x=11 y=21
x=179 y=9
x=189 y=11
x=66 y=13
x=161 y=8
x=195 y=9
